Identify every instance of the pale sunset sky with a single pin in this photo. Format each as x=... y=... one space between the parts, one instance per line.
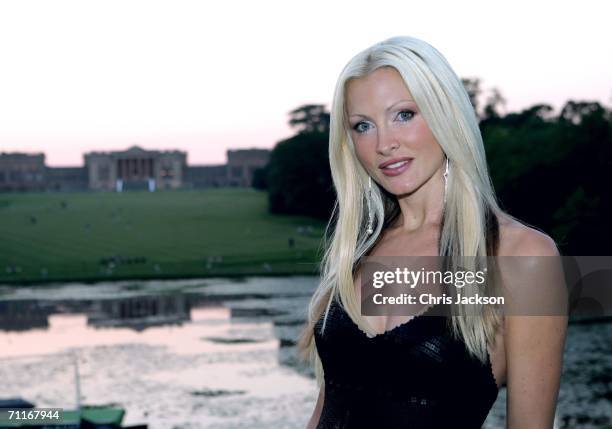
x=203 y=76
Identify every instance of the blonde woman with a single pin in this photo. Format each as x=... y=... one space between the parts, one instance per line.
x=411 y=179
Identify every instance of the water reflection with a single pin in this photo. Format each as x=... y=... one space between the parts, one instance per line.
x=212 y=354
x=174 y=354
x=23 y=315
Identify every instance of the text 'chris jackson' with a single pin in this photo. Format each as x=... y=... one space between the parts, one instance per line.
x=429 y=299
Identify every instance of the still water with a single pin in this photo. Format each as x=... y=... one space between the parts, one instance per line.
x=213 y=353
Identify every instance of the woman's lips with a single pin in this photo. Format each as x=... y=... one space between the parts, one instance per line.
x=397 y=168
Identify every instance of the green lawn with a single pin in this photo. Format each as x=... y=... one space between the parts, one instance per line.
x=107 y=235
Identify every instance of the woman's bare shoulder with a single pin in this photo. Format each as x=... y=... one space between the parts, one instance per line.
x=533 y=346
x=518 y=239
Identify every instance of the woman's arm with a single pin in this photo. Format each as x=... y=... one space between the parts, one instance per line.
x=316 y=414
x=534 y=354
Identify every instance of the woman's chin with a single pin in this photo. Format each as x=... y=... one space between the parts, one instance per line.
x=400 y=191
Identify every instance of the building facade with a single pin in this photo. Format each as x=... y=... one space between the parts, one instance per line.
x=242 y=163
x=22 y=172
x=132 y=169
x=135 y=168
x=67 y=179
x=206 y=176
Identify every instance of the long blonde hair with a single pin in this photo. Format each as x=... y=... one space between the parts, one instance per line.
x=469 y=223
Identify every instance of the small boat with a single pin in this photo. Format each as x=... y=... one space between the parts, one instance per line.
x=87 y=417
x=83 y=417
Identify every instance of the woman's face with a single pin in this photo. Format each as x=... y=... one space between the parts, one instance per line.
x=392 y=140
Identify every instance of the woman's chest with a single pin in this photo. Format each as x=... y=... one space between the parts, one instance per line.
x=390 y=255
x=421 y=353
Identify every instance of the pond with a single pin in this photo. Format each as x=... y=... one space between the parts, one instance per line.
x=211 y=353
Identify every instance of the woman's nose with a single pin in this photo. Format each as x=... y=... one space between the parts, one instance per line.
x=386 y=142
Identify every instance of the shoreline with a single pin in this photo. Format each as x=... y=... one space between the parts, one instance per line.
x=100 y=279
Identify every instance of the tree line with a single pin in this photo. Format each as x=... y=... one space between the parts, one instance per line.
x=551 y=170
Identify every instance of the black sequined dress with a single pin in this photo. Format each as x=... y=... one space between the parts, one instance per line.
x=414 y=376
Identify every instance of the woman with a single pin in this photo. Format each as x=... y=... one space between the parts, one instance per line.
x=411 y=178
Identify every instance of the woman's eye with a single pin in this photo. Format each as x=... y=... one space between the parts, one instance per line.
x=405 y=115
x=361 y=127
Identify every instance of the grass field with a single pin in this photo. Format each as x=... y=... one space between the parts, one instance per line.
x=105 y=235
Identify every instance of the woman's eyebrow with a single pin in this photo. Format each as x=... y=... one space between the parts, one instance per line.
x=405 y=100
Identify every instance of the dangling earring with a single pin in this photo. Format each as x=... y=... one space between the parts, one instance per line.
x=370 y=229
x=445 y=176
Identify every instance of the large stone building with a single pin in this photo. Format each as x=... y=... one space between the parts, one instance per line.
x=67 y=179
x=22 y=172
x=241 y=165
x=206 y=176
x=134 y=168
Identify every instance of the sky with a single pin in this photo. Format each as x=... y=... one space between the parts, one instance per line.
x=204 y=76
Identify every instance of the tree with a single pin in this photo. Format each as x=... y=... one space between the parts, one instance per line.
x=574 y=112
x=495 y=100
x=310 y=118
x=552 y=171
x=260 y=178
x=299 y=177
x=472 y=86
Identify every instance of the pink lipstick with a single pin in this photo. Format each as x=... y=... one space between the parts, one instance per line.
x=395 y=167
